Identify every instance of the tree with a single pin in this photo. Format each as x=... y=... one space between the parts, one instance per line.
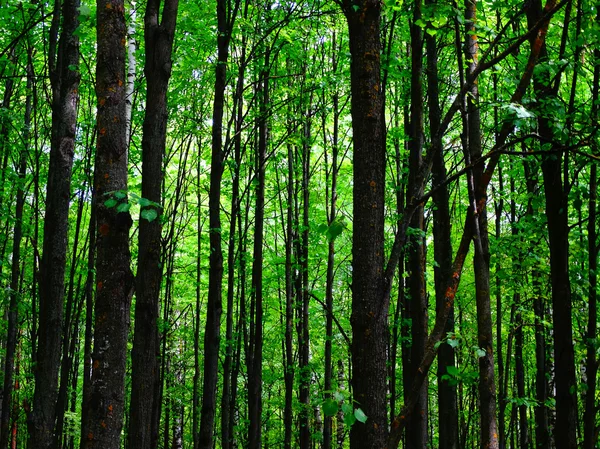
x=144 y=417
x=114 y=279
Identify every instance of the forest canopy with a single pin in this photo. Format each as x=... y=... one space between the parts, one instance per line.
x=306 y=224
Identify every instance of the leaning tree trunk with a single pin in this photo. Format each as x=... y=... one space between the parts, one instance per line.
x=144 y=419
x=65 y=84
x=114 y=279
x=369 y=303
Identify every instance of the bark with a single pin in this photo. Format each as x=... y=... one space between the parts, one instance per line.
x=558 y=233
x=212 y=335
x=303 y=331
x=478 y=197
x=65 y=85
x=397 y=428
x=416 y=435
x=226 y=404
x=331 y=216
x=590 y=431
x=114 y=279
x=447 y=397
x=159 y=31
x=369 y=303
x=256 y=315
x=15 y=290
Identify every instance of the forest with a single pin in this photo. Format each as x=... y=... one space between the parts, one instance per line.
x=313 y=224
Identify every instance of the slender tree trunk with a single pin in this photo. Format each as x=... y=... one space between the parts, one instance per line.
x=558 y=239
x=590 y=431
x=15 y=291
x=447 y=400
x=65 y=84
x=416 y=435
x=478 y=197
x=256 y=343
x=159 y=30
x=369 y=303
x=212 y=335
x=114 y=280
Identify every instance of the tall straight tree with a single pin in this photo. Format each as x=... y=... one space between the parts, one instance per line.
x=478 y=198
x=555 y=192
x=416 y=303
x=159 y=32
x=63 y=56
x=114 y=279
x=369 y=303
x=226 y=14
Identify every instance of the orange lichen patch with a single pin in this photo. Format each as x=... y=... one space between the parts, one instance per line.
x=102 y=131
x=373 y=184
x=110 y=409
x=123 y=41
x=106 y=175
x=120 y=82
x=104 y=229
x=109 y=6
x=90 y=436
x=115 y=119
x=102 y=101
x=96 y=364
x=99 y=285
x=103 y=424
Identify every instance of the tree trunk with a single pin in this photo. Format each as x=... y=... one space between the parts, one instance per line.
x=256 y=319
x=478 y=197
x=558 y=240
x=159 y=32
x=447 y=400
x=65 y=84
x=15 y=291
x=114 y=280
x=369 y=303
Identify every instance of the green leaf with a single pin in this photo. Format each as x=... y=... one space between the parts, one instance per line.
x=110 y=203
x=144 y=202
x=453 y=342
x=120 y=194
x=339 y=396
x=453 y=370
x=360 y=415
x=85 y=10
x=347 y=409
x=330 y=407
x=149 y=214
x=479 y=352
x=349 y=419
x=123 y=207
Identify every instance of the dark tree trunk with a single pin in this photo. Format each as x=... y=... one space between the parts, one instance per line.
x=15 y=287
x=478 y=197
x=226 y=403
x=416 y=434
x=303 y=331
x=332 y=174
x=212 y=335
x=65 y=84
x=114 y=280
x=369 y=303
x=256 y=319
x=447 y=400
x=590 y=432
x=558 y=240
x=144 y=419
